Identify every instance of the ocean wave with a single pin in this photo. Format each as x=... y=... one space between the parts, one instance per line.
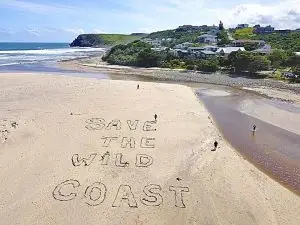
x=9 y=64
x=52 y=51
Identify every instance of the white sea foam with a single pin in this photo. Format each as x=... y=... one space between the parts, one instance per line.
x=52 y=51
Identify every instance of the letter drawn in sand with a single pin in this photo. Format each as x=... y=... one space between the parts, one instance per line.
x=77 y=161
x=147 y=142
x=148 y=126
x=107 y=141
x=95 y=124
x=95 y=194
x=178 y=195
x=119 y=162
x=125 y=194
x=143 y=160
x=132 y=125
x=114 y=123
x=152 y=195
x=104 y=159
x=128 y=141
x=59 y=194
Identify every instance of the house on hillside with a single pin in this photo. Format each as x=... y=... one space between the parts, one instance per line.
x=265 y=50
x=287 y=31
x=224 y=52
x=207 y=54
x=208 y=39
x=154 y=42
x=241 y=43
x=263 y=30
x=200 y=52
x=241 y=26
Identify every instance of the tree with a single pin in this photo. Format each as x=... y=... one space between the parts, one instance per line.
x=247 y=61
x=278 y=58
x=223 y=38
x=147 y=58
x=250 y=46
x=258 y=63
x=209 y=65
x=221 y=26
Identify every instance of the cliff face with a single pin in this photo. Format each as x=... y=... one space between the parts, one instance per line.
x=87 y=40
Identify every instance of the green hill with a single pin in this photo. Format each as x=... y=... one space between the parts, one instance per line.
x=98 y=40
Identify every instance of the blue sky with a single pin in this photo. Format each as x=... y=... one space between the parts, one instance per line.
x=63 y=20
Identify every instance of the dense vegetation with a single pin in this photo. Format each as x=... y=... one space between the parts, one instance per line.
x=245 y=33
x=178 y=36
x=98 y=40
x=140 y=54
x=290 y=42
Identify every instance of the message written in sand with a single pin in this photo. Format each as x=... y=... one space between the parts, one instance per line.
x=95 y=193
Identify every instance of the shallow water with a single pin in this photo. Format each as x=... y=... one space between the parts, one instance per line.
x=272 y=149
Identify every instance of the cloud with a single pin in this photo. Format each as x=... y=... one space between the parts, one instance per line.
x=282 y=14
x=162 y=14
x=36 y=7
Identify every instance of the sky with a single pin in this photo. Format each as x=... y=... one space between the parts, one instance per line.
x=63 y=20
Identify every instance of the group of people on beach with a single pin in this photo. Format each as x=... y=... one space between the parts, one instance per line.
x=215 y=143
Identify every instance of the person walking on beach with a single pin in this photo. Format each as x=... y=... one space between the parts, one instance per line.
x=216 y=145
x=155 y=117
x=254 y=128
x=138 y=87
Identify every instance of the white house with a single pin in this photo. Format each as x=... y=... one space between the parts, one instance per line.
x=227 y=50
x=208 y=39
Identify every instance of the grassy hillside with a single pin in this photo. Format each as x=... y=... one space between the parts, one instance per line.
x=245 y=33
x=97 y=40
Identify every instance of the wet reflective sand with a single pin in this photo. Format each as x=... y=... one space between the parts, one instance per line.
x=274 y=150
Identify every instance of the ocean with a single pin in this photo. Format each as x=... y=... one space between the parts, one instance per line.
x=39 y=56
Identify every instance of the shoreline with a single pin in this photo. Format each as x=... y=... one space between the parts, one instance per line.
x=256 y=85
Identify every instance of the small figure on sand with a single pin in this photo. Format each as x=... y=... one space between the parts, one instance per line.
x=138 y=87
x=155 y=117
x=254 y=128
x=216 y=145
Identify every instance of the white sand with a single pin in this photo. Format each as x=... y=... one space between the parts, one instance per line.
x=35 y=157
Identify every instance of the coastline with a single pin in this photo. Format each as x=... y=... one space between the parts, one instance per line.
x=257 y=85
x=223 y=187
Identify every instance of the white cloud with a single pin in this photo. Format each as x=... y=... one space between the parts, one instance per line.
x=162 y=14
x=36 y=7
x=285 y=14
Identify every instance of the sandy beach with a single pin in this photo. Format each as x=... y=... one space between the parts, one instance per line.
x=88 y=151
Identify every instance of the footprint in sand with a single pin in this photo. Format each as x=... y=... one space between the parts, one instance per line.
x=6 y=127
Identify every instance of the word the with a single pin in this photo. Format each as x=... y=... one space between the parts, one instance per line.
x=99 y=124
x=95 y=194
x=142 y=160
x=129 y=142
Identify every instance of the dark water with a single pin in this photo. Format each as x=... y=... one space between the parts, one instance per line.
x=272 y=149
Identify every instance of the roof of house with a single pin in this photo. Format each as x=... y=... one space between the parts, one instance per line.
x=228 y=50
x=266 y=49
x=297 y=53
x=187 y=43
x=245 y=41
x=207 y=36
x=206 y=52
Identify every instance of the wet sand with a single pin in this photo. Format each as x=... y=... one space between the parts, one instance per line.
x=273 y=149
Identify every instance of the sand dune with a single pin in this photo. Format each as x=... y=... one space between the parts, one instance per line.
x=87 y=151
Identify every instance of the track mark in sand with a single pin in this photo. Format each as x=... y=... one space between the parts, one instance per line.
x=6 y=127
